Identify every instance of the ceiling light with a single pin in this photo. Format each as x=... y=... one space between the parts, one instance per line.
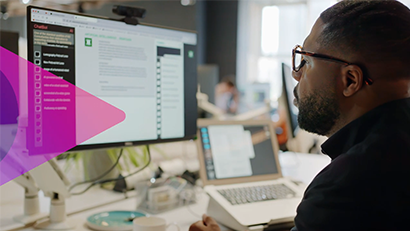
x=188 y=2
x=25 y=1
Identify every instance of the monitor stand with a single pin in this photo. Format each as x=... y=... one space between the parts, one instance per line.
x=31 y=200
x=53 y=182
x=58 y=219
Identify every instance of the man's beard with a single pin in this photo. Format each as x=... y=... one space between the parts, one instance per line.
x=318 y=113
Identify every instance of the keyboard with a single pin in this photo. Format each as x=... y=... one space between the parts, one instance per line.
x=237 y=196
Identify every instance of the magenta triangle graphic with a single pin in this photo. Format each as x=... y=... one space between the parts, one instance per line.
x=43 y=115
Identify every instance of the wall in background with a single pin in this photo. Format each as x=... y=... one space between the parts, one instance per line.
x=221 y=35
x=201 y=30
x=15 y=24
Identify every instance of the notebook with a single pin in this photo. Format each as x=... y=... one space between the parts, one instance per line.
x=240 y=171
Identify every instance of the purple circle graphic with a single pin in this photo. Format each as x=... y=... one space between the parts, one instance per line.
x=8 y=115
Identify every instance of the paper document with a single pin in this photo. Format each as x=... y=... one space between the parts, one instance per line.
x=232 y=150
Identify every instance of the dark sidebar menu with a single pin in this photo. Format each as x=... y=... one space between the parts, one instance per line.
x=52 y=110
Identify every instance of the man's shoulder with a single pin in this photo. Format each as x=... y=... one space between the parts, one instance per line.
x=387 y=147
x=365 y=165
x=359 y=187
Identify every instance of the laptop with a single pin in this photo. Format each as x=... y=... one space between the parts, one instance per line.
x=240 y=171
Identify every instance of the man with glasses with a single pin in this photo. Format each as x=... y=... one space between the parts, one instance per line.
x=354 y=87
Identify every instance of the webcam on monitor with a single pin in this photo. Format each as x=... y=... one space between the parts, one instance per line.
x=131 y=13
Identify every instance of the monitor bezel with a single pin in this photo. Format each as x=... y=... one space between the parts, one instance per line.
x=289 y=122
x=115 y=144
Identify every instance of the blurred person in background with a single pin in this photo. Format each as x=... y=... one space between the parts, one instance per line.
x=227 y=95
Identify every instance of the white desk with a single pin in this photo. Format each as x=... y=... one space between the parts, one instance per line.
x=12 y=196
x=297 y=165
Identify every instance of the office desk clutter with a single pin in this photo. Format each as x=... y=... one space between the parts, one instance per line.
x=159 y=195
x=97 y=200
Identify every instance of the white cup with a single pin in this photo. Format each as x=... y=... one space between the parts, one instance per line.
x=151 y=224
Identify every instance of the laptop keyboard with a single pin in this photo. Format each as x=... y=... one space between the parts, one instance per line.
x=245 y=195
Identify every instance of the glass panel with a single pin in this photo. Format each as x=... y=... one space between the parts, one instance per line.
x=269 y=71
x=292 y=27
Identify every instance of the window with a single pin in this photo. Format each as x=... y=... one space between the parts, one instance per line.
x=267 y=33
x=270 y=30
x=282 y=27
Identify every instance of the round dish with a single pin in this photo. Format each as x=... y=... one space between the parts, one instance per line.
x=113 y=220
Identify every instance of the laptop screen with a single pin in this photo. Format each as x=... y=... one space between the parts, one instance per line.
x=232 y=151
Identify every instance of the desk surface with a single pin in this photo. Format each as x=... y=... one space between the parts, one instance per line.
x=296 y=165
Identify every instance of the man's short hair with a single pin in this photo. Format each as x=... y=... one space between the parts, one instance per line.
x=377 y=31
x=229 y=80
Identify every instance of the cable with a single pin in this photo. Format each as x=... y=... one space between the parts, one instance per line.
x=119 y=178
x=101 y=176
x=131 y=174
x=85 y=190
x=187 y=201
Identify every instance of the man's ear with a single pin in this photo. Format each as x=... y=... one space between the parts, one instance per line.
x=352 y=79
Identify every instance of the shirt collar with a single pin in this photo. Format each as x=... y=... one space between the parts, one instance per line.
x=357 y=130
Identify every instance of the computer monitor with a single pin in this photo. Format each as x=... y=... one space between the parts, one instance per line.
x=288 y=84
x=149 y=72
x=208 y=77
x=257 y=93
x=10 y=41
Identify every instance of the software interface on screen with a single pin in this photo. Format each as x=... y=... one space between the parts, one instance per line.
x=289 y=84
x=138 y=69
x=232 y=151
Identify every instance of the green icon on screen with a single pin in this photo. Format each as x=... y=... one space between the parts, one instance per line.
x=88 y=42
x=191 y=54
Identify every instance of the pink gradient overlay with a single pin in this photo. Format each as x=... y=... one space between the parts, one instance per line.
x=49 y=110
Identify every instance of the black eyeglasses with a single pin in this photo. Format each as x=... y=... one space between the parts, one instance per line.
x=298 y=62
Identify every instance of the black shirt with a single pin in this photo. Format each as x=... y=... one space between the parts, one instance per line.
x=367 y=184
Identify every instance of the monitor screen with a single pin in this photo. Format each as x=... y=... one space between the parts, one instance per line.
x=235 y=150
x=146 y=71
x=291 y=110
x=257 y=93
